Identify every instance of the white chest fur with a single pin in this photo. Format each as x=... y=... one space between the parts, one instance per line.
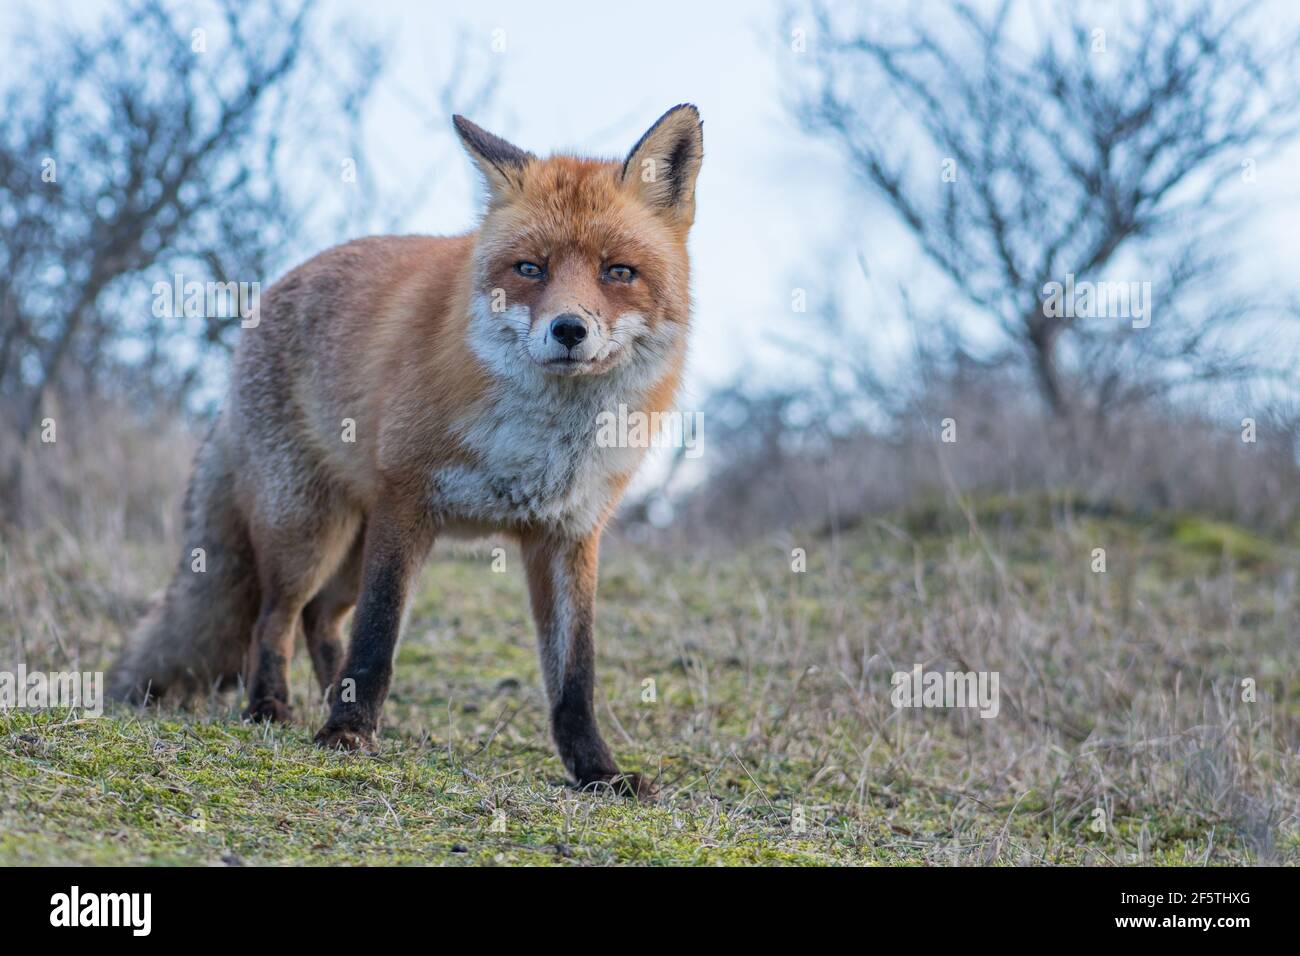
x=536 y=460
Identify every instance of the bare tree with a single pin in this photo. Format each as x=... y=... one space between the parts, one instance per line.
x=218 y=139
x=1051 y=148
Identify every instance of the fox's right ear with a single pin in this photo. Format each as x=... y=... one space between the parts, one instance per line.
x=501 y=162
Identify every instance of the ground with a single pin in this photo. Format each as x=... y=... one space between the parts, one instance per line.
x=1149 y=712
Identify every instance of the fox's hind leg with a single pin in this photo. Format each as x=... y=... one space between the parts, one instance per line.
x=399 y=534
x=322 y=618
x=294 y=560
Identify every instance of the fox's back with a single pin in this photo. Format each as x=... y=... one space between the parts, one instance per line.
x=332 y=340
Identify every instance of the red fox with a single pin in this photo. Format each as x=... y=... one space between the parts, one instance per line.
x=399 y=388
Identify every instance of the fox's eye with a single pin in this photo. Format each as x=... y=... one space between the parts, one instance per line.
x=620 y=273
x=530 y=269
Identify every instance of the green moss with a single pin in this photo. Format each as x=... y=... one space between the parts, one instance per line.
x=760 y=699
x=1219 y=539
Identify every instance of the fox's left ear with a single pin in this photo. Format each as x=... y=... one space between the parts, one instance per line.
x=662 y=166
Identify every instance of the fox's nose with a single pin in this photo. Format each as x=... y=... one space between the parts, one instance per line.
x=568 y=329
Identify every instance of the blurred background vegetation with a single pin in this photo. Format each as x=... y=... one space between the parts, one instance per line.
x=1014 y=144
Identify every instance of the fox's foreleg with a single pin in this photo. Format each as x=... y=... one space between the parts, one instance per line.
x=562 y=575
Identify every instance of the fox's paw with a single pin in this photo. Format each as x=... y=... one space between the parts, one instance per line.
x=632 y=785
x=269 y=710
x=343 y=738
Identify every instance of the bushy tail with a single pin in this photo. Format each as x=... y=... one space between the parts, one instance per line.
x=196 y=637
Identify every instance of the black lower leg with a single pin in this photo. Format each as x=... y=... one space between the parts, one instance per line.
x=358 y=692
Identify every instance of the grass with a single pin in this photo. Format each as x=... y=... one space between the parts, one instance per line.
x=759 y=696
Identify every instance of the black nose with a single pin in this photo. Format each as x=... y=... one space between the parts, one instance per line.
x=568 y=329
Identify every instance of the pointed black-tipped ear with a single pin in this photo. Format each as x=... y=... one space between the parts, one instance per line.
x=501 y=162
x=662 y=166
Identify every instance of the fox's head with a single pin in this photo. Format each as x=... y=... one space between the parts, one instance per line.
x=580 y=264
